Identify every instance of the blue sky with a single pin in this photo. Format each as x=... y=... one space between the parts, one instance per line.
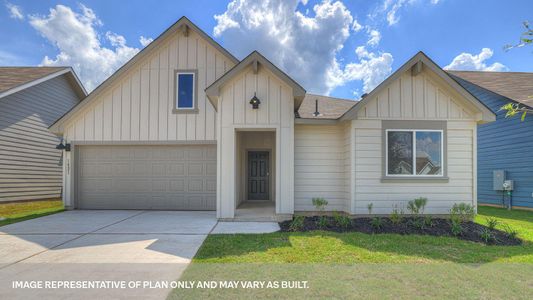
x=341 y=48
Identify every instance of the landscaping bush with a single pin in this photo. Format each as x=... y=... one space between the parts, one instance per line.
x=320 y=203
x=376 y=223
x=417 y=206
x=463 y=212
x=492 y=223
x=396 y=216
x=341 y=221
x=297 y=223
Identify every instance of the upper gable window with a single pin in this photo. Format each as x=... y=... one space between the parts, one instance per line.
x=186 y=91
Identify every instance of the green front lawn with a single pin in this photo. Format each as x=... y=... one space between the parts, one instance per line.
x=21 y=211
x=370 y=266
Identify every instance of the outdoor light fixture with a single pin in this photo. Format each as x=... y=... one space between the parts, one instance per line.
x=63 y=146
x=316 y=113
x=255 y=102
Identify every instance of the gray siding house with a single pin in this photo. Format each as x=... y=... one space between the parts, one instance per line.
x=506 y=144
x=31 y=99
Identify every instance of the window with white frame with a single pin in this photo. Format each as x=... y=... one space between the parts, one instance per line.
x=185 y=90
x=414 y=152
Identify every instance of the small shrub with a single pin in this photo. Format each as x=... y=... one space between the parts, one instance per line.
x=456 y=228
x=322 y=222
x=509 y=231
x=486 y=235
x=428 y=221
x=492 y=223
x=341 y=220
x=417 y=206
x=297 y=223
x=320 y=203
x=396 y=215
x=462 y=212
x=418 y=223
x=369 y=207
x=376 y=223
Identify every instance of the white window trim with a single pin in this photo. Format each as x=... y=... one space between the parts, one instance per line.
x=193 y=107
x=414 y=175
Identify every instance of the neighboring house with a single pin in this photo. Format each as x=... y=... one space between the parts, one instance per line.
x=185 y=125
x=31 y=99
x=506 y=144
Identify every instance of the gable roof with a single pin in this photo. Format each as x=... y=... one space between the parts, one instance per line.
x=417 y=61
x=15 y=79
x=517 y=86
x=213 y=91
x=183 y=24
x=330 y=108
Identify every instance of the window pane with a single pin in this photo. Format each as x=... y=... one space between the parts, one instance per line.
x=185 y=90
x=428 y=153
x=400 y=152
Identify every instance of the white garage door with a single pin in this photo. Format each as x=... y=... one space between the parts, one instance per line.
x=147 y=177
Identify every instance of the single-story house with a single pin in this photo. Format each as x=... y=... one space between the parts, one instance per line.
x=185 y=125
x=506 y=144
x=31 y=99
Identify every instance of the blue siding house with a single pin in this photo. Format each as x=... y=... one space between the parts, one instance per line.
x=507 y=143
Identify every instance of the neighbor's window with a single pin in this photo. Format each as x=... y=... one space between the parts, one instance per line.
x=414 y=152
x=185 y=90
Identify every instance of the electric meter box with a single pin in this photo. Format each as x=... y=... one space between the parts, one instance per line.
x=498 y=177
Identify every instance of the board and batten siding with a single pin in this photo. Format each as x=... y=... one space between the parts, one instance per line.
x=421 y=97
x=503 y=145
x=138 y=106
x=275 y=113
x=30 y=166
x=319 y=166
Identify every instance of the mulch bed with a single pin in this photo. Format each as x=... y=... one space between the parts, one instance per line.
x=440 y=227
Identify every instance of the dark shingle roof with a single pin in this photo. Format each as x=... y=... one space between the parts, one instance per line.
x=517 y=86
x=329 y=107
x=11 y=77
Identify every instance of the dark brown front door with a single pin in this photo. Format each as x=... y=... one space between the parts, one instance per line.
x=258 y=175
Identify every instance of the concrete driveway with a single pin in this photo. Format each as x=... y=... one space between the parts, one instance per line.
x=140 y=249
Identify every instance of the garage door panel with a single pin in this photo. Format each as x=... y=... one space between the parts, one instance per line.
x=147 y=177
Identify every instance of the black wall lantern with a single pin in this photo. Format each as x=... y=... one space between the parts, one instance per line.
x=63 y=146
x=255 y=102
x=316 y=113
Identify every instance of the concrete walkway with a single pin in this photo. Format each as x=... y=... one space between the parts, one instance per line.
x=245 y=227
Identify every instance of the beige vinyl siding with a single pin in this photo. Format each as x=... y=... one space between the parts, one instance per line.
x=276 y=113
x=319 y=166
x=441 y=195
x=420 y=97
x=30 y=166
x=138 y=106
x=424 y=96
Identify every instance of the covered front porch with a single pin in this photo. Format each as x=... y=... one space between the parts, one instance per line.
x=255 y=167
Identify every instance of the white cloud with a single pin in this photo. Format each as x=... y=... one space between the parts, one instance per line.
x=145 y=41
x=356 y=26
x=372 y=68
x=471 y=62
x=77 y=39
x=15 y=11
x=375 y=37
x=392 y=8
x=304 y=46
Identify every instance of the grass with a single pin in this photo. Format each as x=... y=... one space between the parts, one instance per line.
x=355 y=265
x=21 y=211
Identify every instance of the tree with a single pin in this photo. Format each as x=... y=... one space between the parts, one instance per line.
x=512 y=109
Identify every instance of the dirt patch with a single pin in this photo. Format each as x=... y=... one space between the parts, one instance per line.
x=439 y=227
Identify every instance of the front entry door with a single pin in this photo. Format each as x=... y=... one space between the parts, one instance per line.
x=258 y=175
